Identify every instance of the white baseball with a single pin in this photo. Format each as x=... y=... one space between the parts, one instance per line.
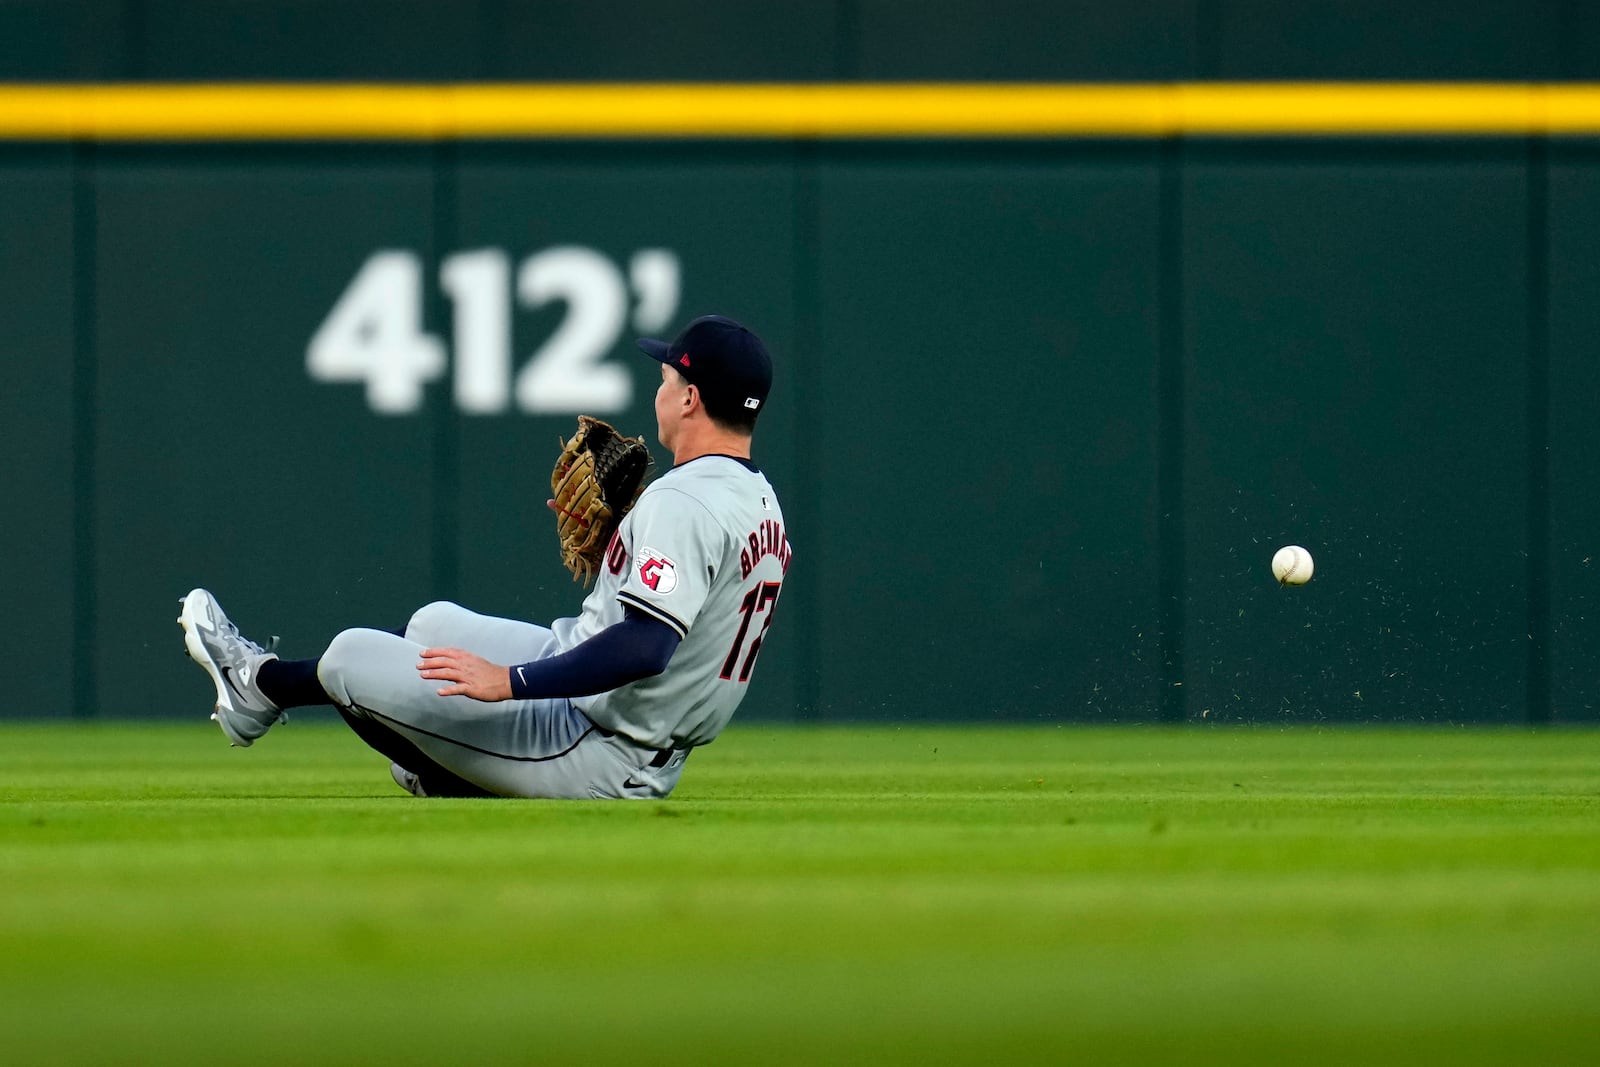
x=1292 y=565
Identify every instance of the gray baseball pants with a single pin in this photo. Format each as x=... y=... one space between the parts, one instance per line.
x=514 y=748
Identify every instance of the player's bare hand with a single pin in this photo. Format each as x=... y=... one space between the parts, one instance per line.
x=473 y=676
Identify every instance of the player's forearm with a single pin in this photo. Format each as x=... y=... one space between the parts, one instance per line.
x=637 y=647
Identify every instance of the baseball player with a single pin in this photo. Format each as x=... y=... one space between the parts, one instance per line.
x=607 y=704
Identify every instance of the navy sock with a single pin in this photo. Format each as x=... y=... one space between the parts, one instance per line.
x=292 y=683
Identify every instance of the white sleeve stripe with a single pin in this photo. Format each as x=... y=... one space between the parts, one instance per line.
x=654 y=612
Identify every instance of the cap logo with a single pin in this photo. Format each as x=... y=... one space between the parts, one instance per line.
x=683 y=360
x=751 y=402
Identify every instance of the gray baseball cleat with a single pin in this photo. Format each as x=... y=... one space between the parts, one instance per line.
x=406 y=780
x=243 y=711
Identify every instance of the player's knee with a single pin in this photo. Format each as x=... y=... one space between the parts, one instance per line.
x=431 y=619
x=333 y=669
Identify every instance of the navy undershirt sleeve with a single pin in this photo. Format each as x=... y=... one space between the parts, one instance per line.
x=637 y=647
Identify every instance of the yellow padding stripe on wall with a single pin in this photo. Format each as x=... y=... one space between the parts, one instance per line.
x=870 y=111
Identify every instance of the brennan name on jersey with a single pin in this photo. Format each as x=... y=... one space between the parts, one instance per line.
x=767 y=540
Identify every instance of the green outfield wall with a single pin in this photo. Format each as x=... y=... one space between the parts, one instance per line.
x=1060 y=364
x=1044 y=409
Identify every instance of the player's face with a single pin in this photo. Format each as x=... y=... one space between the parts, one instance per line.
x=671 y=400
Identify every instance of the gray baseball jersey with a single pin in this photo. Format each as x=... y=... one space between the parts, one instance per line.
x=704 y=551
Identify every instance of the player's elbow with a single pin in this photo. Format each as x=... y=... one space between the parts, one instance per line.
x=649 y=642
x=645 y=663
x=658 y=655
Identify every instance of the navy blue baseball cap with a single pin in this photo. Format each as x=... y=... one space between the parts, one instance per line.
x=724 y=360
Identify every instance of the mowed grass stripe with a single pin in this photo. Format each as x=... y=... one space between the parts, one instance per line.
x=879 y=895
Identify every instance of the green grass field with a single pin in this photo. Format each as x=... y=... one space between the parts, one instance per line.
x=928 y=896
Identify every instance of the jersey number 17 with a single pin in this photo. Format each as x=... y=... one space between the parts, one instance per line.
x=760 y=599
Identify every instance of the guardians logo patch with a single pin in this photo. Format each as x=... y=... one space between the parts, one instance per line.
x=657 y=571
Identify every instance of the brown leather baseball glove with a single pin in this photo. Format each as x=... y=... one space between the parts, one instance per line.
x=597 y=477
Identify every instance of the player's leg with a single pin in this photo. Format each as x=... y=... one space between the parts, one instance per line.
x=443 y=624
x=549 y=750
x=535 y=748
x=442 y=746
x=412 y=771
x=254 y=686
x=295 y=684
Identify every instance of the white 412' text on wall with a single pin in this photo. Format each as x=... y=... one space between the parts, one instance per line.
x=374 y=334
